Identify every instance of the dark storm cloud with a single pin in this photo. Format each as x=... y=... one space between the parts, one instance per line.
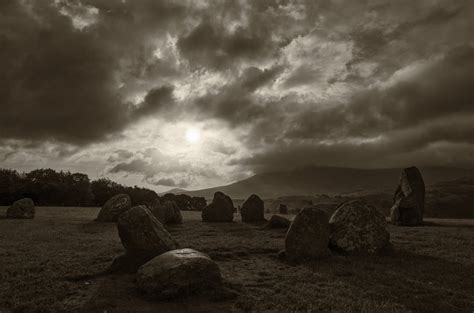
x=58 y=82
x=427 y=92
x=157 y=100
x=314 y=82
x=210 y=46
x=426 y=107
x=236 y=102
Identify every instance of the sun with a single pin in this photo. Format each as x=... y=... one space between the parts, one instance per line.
x=193 y=135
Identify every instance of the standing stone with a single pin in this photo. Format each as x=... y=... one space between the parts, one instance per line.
x=253 y=209
x=409 y=199
x=167 y=213
x=172 y=213
x=23 y=208
x=221 y=209
x=115 y=206
x=277 y=221
x=358 y=228
x=282 y=209
x=156 y=208
x=308 y=236
x=143 y=238
x=178 y=273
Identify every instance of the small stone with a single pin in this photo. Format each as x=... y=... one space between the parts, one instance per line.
x=22 y=209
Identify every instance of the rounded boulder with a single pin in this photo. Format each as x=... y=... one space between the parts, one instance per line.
x=23 y=208
x=178 y=273
x=358 y=228
x=278 y=221
x=308 y=235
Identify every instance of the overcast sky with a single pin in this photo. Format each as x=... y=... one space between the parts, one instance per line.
x=194 y=94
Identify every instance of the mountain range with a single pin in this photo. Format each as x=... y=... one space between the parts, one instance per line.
x=325 y=180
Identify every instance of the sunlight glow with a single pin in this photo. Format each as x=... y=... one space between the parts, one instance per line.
x=193 y=135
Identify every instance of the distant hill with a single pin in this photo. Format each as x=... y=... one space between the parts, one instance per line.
x=447 y=199
x=330 y=181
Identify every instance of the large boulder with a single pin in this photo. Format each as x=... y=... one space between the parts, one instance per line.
x=221 y=209
x=143 y=238
x=358 y=228
x=23 y=208
x=178 y=273
x=252 y=209
x=282 y=209
x=308 y=236
x=115 y=206
x=409 y=199
x=278 y=221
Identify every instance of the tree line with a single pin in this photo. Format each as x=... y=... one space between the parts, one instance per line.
x=48 y=187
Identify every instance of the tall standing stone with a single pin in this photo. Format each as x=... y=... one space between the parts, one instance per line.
x=253 y=209
x=409 y=199
x=23 y=208
x=114 y=207
x=143 y=238
x=221 y=209
x=308 y=236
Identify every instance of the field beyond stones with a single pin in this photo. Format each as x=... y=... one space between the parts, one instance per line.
x=49 y=264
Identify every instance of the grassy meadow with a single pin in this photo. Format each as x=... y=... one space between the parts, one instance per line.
x=48 y=264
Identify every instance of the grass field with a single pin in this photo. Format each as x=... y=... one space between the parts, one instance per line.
x=431 y=269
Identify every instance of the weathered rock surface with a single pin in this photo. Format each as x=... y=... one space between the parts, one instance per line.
x=409 y=199
x=308 y=235
x=252 y=209
x=172 y=213
x=156 y=208
x=278 y=221
x=178 y=273
x=221 y=209
x=23 y=208
x=142 y=236
x=282 y=209
x=115 y=206
x=358 y=228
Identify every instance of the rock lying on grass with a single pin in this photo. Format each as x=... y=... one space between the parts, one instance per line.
x=115 y=206
x=143 y=238
x=178 y=273
x=358 y=228
x=221 y=209
x=278 y=221
x=252 y=209
x=23 y=208
x=308 y=236
x=409 y=199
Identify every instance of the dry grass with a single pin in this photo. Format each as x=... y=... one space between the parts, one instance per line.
x=430 y=270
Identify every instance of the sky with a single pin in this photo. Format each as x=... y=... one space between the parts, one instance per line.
x=195 y=93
